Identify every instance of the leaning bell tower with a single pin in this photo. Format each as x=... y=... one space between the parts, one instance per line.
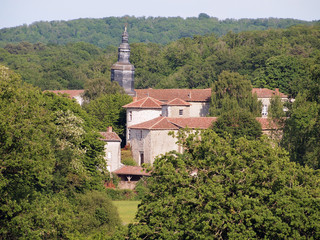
x=123 y=71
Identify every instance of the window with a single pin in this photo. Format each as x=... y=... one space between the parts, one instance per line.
x=129 y=134
x=130 y=116
x=180 y=112
x=264 y=110
x=141 y=158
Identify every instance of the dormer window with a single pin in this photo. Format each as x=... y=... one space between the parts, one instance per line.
x=180 y=112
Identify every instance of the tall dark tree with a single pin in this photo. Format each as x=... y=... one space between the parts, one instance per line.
x=232 y=91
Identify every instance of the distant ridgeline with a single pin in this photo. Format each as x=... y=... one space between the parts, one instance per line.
x=106 y=31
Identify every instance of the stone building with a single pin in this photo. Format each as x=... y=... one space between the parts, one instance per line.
x=150 y=139
x=123 y=71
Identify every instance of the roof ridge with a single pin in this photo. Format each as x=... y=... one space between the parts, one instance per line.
x=143 y=101
x=161 y=118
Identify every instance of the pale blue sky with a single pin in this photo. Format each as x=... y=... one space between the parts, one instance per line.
x=18 y=12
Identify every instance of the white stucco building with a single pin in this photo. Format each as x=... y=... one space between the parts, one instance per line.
x=112 y=149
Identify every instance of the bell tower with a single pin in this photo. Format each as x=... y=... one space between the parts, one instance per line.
x=123 y=71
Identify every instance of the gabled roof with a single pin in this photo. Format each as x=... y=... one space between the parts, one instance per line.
x=267 y=93
x=177 y=102
x=110 y=137
x=166 y=95
x=131 y=170
x=165 y=123
x=71 y=93
x=147 y=102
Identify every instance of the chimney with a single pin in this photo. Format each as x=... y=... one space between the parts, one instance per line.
x=277 y=91
x=109 y=129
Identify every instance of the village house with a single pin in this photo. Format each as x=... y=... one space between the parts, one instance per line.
x=112 y=149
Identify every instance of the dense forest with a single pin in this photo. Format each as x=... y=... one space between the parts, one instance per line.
x=231 y=181
x=106 y=31
x=272 y=58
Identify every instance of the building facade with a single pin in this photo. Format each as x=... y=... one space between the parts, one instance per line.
x=112 y=149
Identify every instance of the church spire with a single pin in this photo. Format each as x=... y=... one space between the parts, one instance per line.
x=123 y=71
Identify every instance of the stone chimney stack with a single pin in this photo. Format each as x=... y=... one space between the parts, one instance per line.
x=109 y=129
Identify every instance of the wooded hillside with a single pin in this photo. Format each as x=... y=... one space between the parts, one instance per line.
x=282 y=58
x=107 y=31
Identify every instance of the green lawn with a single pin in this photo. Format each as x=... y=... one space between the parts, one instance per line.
x=127 y=210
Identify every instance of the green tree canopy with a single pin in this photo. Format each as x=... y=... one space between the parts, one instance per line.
x=215 y=190
x=301 y=135
x=236 y=124
x=232 y=91
x=51 y=167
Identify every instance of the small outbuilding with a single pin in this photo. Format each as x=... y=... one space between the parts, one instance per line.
x=112 y=149
x=130 y=175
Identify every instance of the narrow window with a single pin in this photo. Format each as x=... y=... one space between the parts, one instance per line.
x=130 y=116
x=141 y=158
x=180 y=112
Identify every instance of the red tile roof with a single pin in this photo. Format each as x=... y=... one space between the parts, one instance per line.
x=267 y=93
x=196 y=95
x=71 y=93
x=166 y=95
x=165 y=123
x=160 y=123
x=110 y=137
x=193 y=122
x=131 y=170
x=147 y=102
x=177 y=102
x=266 y=123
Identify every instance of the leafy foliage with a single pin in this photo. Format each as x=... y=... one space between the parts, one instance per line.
x=237 y=124
x=107 y=111
x=221 y=191
x=233 y=92
x=106 y=31
x=51 y=161
x=287 y=59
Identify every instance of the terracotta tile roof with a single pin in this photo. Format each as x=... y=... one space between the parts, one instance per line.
x=267 y=93
x=160 y=123
x=193 y=122
x=131 y=170
x=147 y=102
x=71 y=93
x=266 y=123
x=110 y=137
x=177 y=102
x=196 y=95
x=166 y=95
x=165 y=123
